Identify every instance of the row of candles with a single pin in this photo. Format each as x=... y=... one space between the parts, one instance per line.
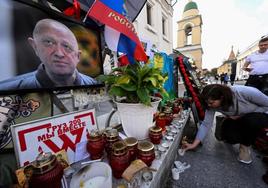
x=166 y=115
x=120 y=153
x=47 y=172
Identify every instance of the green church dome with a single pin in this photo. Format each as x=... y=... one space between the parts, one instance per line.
x=190 y=5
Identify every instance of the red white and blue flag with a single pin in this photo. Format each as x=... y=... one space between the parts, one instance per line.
x=120 y=34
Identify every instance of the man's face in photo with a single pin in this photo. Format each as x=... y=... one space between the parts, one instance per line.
x=57 y=48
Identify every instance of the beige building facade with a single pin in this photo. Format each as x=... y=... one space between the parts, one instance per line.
x=189 y=34
x=228 y=65
x=224 y=68
x=154 y=24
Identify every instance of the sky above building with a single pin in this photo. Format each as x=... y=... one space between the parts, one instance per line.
x=226 y=23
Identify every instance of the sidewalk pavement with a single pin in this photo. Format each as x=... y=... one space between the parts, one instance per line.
x=215 y=165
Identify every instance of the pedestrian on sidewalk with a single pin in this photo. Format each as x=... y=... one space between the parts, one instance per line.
x=232 y=78
x=216 y=77
x=239 y=104
x=222 y=75
x=226 y=79
x=258 y=71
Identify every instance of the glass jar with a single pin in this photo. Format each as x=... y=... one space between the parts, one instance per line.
x=176 y=108
x=132 y=144
x=155 y=134
x=46 y=172
x=161 y=121
x=111 y=136
x=146 y=152
x=95 y=145
x=119 y=158
x=168 y=115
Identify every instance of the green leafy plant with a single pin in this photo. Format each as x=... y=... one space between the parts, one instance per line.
x=136 y=83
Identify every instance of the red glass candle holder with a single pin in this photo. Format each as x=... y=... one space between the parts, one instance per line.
x=169 y=119
x=47 y=172
x=161 y=121
x=169 y=115
x=119 y=159
x=95 y=145
x=132 y=144
x=155 y=134
x=146 y=152
x=111 y=137
x=176 y=109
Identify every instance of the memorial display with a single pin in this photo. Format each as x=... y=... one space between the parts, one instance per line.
x=69 y=55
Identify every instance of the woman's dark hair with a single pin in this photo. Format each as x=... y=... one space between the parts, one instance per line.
x=217 y=92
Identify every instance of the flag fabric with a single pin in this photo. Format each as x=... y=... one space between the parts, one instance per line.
x=119 y=32
x=133 y=6
x=123 y=60
x=73 y=10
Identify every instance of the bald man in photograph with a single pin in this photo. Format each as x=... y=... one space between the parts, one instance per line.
x=57 y=48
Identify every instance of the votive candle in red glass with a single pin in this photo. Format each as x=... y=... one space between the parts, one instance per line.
x=119 y=159
x=146 y=152
x=132 y=144
x=155 y=134
x=95 y=145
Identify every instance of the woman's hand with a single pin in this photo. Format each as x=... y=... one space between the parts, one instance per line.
x=187 y=146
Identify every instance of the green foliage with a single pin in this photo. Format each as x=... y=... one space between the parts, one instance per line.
x=137 y=83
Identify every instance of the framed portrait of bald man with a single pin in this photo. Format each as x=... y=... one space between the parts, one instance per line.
x=44 y=50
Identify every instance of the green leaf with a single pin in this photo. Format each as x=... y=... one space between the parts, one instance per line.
x=144 y=96
x=152 y=80
x=129 y=87
x=117 y=91
x=135 y=82
x=124 y=79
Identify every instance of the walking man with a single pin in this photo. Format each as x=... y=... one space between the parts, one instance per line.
x=258 y=70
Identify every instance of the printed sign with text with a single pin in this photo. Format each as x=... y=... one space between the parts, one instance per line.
x=52 y=135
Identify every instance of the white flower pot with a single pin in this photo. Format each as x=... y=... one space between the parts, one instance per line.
x=137 y=118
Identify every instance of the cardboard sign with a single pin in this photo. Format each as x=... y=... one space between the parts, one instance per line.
x=52 y=135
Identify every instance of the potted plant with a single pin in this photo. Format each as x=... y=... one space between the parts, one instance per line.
x=132 y=88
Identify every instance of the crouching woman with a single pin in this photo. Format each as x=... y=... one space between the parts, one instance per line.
x=245 y=109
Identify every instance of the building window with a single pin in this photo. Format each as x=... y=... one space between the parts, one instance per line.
x=164 y=29
x=188 y=35
x=149 y=14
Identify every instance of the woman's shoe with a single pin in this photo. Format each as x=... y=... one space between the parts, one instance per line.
x=244 y=154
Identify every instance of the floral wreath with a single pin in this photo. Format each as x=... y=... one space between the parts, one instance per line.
x=190 y=88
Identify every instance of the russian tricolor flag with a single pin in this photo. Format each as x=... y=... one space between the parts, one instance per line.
x=120 y=34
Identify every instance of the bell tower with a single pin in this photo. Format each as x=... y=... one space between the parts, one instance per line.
x=189 y=34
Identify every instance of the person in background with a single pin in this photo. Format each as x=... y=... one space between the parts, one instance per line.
x=226 y=79
x=216 y=77
x=257 y=66
x=222 y=75
x=57 y=48
x=245 y=109
x=232 y=78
